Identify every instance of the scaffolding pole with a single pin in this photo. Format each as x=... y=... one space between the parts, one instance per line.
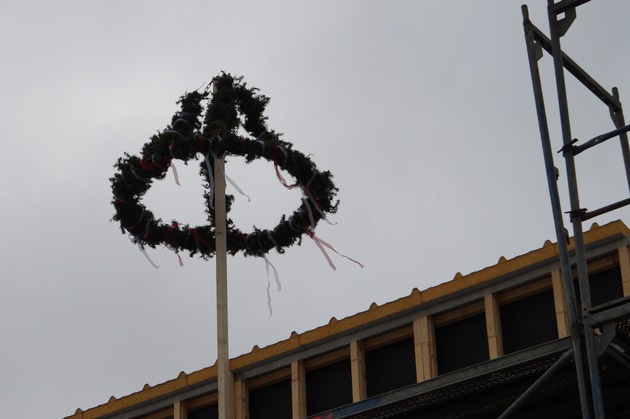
x=558 y=27
x=534 y=53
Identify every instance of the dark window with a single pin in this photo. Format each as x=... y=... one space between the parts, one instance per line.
x=271 y=402
x=328 y=387
x=461 y=344
x=208 y=412
x=390 y=367
x=528 y=322
x=605 y=286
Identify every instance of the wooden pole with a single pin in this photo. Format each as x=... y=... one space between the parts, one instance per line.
x=225 y=378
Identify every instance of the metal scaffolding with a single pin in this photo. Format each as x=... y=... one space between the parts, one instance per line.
x=594 y=330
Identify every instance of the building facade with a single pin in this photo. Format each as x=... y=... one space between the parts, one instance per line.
x=467 y=348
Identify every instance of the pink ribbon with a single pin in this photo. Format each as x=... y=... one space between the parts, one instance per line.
x=200 y=240
x=321 y=243
x=306 y=192
x=282 y=179
x=175 y=174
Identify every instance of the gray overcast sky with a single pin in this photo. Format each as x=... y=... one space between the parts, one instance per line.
x=423 y=111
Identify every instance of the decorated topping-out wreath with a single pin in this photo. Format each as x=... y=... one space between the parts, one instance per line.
x=231 y=106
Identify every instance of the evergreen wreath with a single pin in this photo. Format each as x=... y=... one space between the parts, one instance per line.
x=231 y=106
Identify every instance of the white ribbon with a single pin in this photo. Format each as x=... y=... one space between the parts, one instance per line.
x=316 y=205
x=292 y=227
x=181 y=262
x=146 y=255
x=286 y=155
x=146 y=230
x=210 y=180
x=308 y=184
x=275 y=273
x=308 y=208
x=272 y=239
x=238 y=189
x=135 y=240
x=261 y=142
x=136 y=175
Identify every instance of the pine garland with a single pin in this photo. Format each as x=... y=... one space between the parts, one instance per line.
x=232 y=105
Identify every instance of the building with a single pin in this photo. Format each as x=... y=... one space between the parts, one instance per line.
x=467 y=348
